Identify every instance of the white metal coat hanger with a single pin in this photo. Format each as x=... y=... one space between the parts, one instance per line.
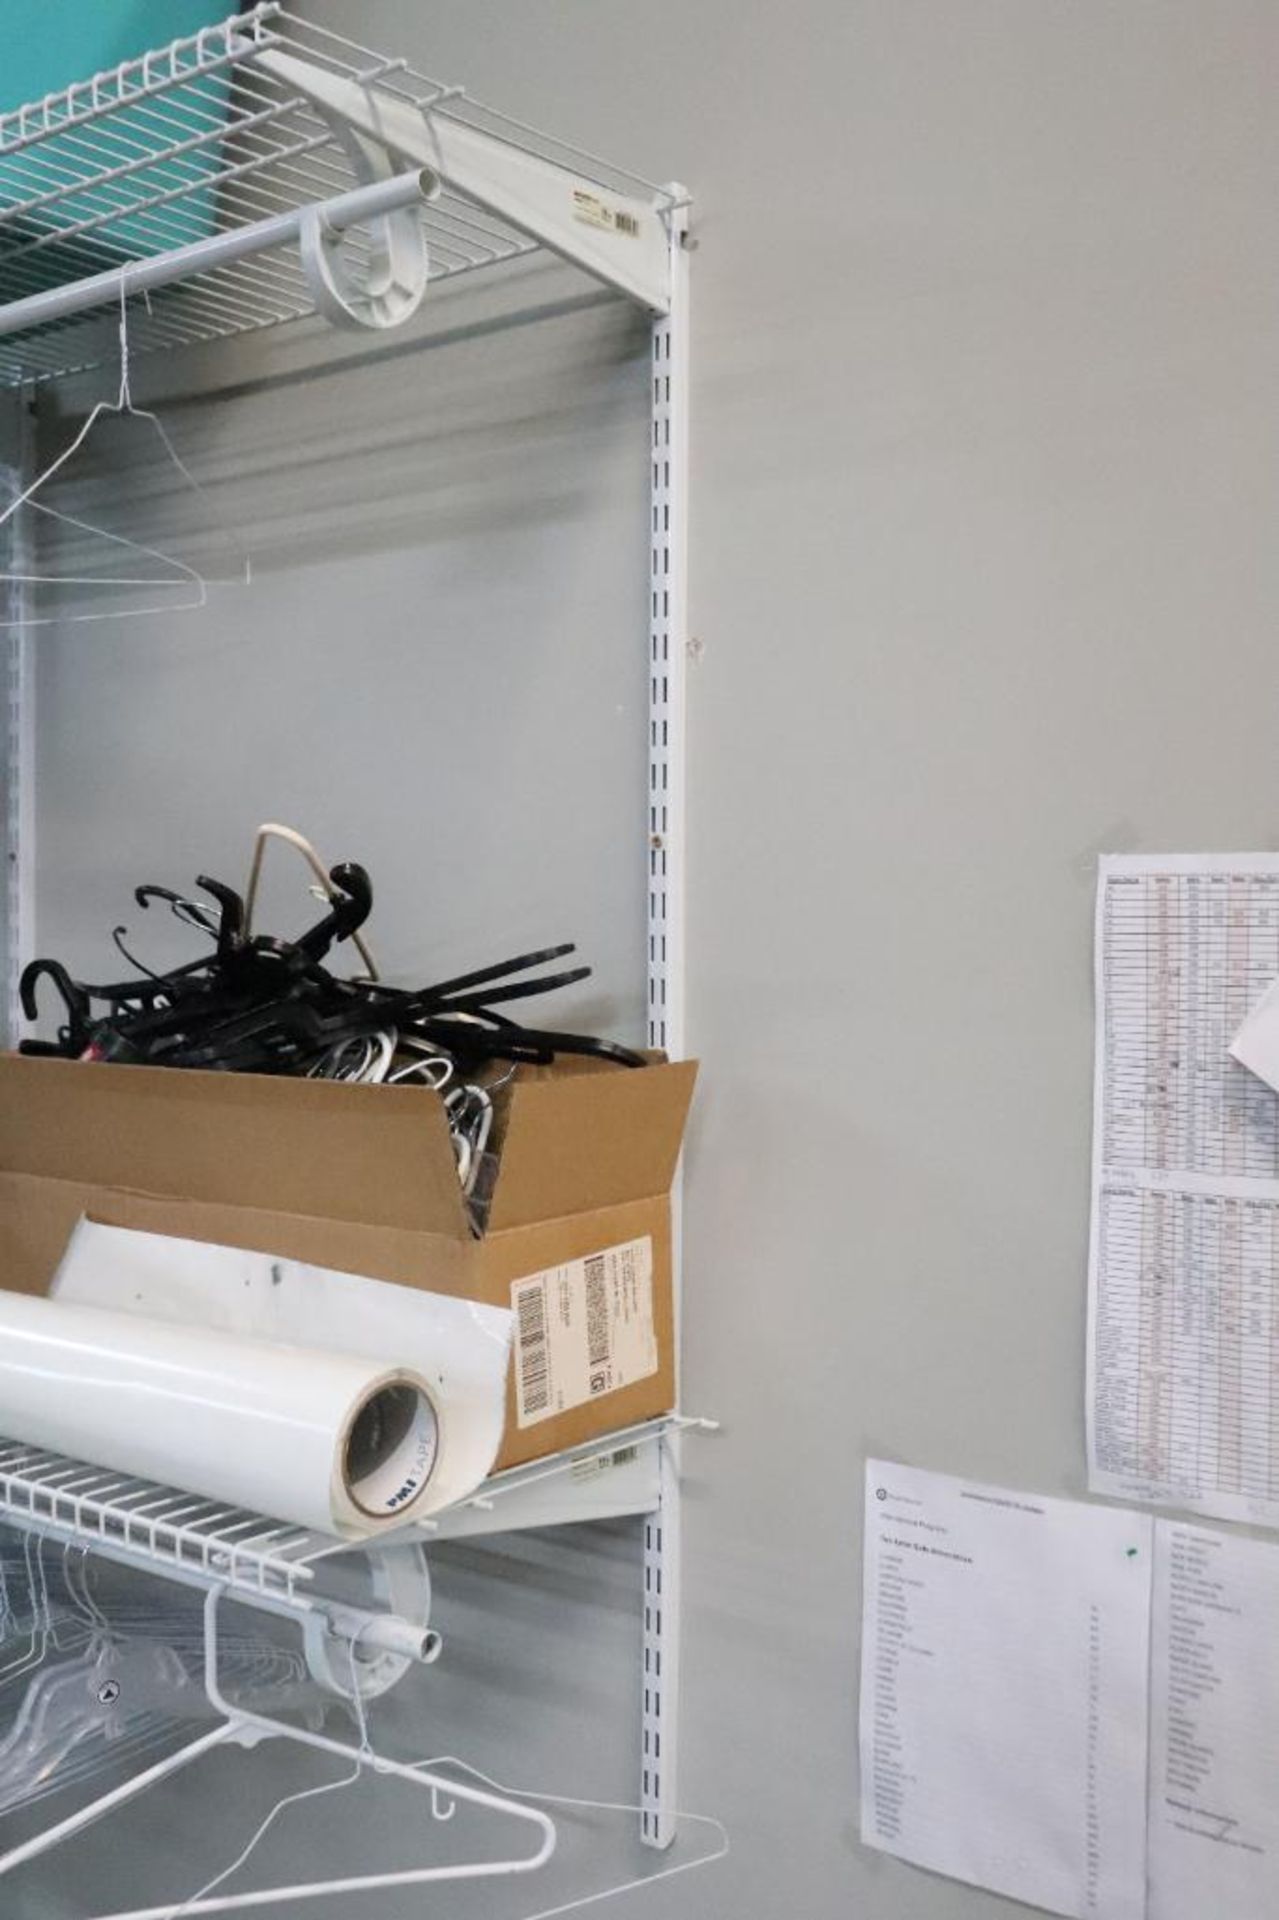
x=238 y=1726
x=59 y=1704
x=60 y=1690
x=84 y=1692
x=194 y=584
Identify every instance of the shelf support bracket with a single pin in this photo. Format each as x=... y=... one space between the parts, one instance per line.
x=615 y=237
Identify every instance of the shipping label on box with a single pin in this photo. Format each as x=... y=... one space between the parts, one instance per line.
x=583 y=1329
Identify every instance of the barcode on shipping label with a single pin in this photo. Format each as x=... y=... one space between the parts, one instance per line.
x=583 y=1329
x=597 y=212
x=534 y=1365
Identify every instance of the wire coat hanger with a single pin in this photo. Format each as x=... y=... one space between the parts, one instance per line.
x=180 y=573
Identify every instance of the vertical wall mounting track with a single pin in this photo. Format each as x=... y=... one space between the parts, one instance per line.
x=19 y=749
x=668 y=660
x=668 y=618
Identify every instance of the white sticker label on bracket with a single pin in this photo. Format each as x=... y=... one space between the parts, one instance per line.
x=598 y=213
x=583 y=1329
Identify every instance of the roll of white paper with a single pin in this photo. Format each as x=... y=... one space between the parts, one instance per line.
x=332 y=1443
x=461 y=1348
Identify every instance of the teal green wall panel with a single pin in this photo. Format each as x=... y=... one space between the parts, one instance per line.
x=47 y=45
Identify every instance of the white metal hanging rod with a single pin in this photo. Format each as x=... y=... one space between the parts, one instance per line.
x=219 y=249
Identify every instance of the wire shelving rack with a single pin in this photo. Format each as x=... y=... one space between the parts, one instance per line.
x=185 y=176
x=232 y=181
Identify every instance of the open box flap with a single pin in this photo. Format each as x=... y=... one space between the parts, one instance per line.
x=376 y=1155
x=584 y=1141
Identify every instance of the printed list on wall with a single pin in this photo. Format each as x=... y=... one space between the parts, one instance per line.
x=1183 y=1297
x=1074 y=1706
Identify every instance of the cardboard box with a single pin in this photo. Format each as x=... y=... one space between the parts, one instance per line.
x=363 y=1179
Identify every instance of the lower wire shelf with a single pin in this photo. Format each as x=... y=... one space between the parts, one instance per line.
x=165 y=1530
x=363 y=1608
x=159 y=1528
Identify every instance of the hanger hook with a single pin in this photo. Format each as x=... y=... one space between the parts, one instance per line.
x=125 y=399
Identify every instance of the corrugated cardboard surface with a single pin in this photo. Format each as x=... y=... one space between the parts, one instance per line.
x=37 y=1217
x=377 y=1154
x=525 y=1250
x=357 y=1178
x=584 y=1141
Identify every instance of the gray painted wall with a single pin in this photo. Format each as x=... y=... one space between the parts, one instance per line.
x=985 y=572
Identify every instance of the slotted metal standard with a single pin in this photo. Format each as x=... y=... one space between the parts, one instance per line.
x=232 y=181
x=668 y=670
x=19 y=738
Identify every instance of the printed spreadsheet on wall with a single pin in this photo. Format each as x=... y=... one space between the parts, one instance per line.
x=1183 y=1308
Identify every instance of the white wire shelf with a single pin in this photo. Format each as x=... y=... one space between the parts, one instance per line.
x=183 y=175
x=165 y=1530
x=159 y=1527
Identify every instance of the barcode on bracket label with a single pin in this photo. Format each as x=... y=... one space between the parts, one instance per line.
x=595 y=211
x=535 y=1378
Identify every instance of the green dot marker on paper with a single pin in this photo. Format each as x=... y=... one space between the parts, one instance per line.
x=1132 y=1553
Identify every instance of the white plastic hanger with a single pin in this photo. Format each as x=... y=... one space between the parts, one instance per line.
x=195 y=584
x=323 y=889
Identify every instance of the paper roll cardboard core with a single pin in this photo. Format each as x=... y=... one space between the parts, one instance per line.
x=390 y=1450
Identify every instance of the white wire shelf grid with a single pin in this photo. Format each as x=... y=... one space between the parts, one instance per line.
x=165 y=1530
x=232 y=132
x=156 y=1526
